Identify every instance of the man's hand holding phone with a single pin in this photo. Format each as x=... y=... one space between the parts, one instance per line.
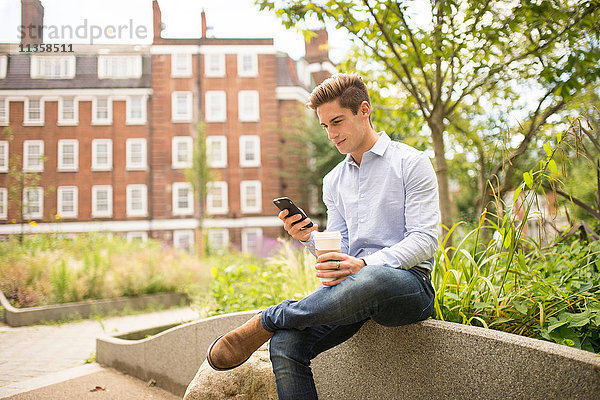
x=294 y=228
x=295 y=220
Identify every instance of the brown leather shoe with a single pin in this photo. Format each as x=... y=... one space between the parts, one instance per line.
x=234 y=348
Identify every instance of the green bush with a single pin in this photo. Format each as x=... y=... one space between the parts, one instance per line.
x=48 y=269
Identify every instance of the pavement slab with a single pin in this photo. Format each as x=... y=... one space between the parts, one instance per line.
x=31 y=353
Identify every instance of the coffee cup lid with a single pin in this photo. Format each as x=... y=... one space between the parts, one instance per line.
x=328 y=235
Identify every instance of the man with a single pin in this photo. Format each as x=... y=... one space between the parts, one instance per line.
x=383 y=199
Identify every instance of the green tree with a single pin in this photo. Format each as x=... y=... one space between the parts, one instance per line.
x=199 y=175
x=470 y=49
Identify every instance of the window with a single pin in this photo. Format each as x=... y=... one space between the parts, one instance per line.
x=251 y=196
x=181 y=152
x=181 y=106
x=3 y=203
x=119 y=67
x=216 y=198
x=183 y=198
x=218 y=239
x=52 y=67
x=137 y=201
x=68 y=155
x=215 y=65
x=247 y=64
x=136 y=154
x=136 y=110
x=183 y=239
x=101 y=110
x=252 y=240
x=216 y=106
x=249 y=151
x=248 y=106
x=33 y=155
x=68 y=113
x=4 y=111
x=216 y=149
x=3 y=156
x=181 y=65
x=33 y=203
x=34 y=112
x=141 y=236
x=102 y=201
x=66 y=201
x=3 y=66
x=102 y=154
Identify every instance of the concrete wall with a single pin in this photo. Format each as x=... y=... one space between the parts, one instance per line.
x=428 y=360
x=84 y=309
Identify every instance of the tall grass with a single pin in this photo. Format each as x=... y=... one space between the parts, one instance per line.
x=48 y=269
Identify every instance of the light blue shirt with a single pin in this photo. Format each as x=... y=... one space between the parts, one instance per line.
x=387 y=209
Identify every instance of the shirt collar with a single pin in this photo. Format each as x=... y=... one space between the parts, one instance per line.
x=378 y=148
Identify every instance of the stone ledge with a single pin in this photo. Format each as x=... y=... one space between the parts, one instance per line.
x=84 y=309
x=427 y=360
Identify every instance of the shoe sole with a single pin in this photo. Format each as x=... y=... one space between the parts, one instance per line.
x=212 y=365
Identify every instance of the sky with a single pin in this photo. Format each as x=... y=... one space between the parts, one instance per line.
x=225 y=19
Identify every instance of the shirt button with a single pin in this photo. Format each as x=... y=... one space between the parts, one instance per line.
x=362 y=196
x=361 y=220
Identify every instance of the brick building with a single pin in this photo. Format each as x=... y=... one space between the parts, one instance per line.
x=107 y=131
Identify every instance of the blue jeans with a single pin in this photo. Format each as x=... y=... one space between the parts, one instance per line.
x=331 y=315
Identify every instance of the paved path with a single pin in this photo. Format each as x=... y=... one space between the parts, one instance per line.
x=27 y=354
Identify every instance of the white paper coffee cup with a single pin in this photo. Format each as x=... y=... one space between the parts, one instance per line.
x=327 y=242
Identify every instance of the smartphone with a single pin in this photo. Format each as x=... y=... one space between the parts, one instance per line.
x=285 y=203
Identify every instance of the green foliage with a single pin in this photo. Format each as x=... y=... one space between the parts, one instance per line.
x=243 y=282
x=48 y=269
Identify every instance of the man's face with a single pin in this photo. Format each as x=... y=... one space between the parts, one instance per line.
x=347 y=131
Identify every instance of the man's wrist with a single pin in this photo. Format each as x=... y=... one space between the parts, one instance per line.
x=364 y=262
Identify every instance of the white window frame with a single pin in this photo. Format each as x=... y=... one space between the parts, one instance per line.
x=133 y=120
x=215 y=106
x=182 y=233
x=65 y=64
x=247 y=232
x=255 y=141
x=4 y=155
x=248 y=106
x=60 y=201
x=245 y=207
x=143 y=190
x=181 y=65
x=109 y=109
x=109 y=164
x=4 y=111
x=27 y=120
x=3 y=203
x=3 y=66
x=216 y=160
x=189 y=142
x=253 y=70
x=130 y=165
x=27 y=167
x=109 y=198
x=177 y=114
x=214 y=65
x=189 y=210
x=26 y=212
x=218 y=239
x=61 y=108
x=210 y=207
x=62 y=167
x=133 y=66
x=138 y=235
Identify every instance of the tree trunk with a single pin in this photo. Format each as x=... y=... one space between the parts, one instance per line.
x=436 y=125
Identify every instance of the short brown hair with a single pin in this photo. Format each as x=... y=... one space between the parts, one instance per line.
x=348 y=88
